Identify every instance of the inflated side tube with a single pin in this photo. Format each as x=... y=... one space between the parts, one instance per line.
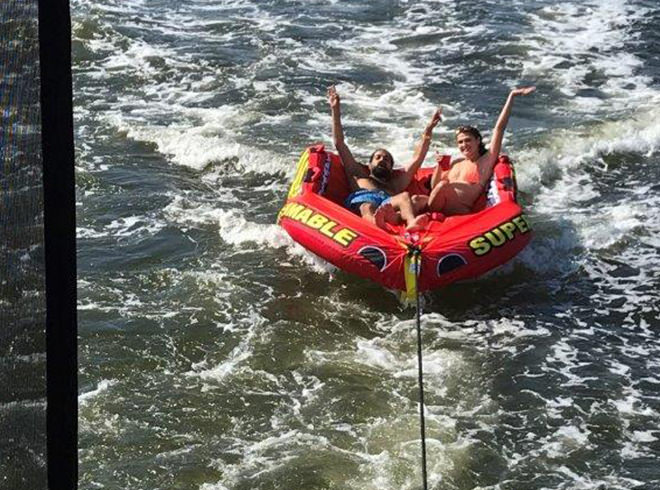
x=451 y=249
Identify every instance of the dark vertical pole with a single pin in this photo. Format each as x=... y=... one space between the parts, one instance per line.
x=60 y=245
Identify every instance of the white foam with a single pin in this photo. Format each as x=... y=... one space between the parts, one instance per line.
x=251 y=328
x=208 y=140
x=644 y=436
x=85 y=232
x=102 y=386
x=632 y=405
x=131 y=225
x=235 y=229
x=572 y=436
x=274 y=452
x=218 y=373
x=187 y=213
x=585 y=39
x=564 y=190
x=610 y=225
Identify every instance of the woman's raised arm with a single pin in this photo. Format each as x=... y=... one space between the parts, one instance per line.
x=503 y=120
x=402 y=181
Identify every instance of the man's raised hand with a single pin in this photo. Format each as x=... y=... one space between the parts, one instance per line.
x=333 y=97
x=436 y=118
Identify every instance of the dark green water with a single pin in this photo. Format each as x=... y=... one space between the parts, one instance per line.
x=216 y=354
x=22 y=284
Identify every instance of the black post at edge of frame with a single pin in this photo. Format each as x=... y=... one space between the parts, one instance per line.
x=60 y=243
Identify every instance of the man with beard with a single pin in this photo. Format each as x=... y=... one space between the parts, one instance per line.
x=377 y=193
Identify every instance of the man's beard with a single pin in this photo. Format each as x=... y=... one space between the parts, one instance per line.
x=381 y=174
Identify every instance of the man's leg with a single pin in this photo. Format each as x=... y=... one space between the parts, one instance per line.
x=367 y=211
x=379 y=215
x=403 y=203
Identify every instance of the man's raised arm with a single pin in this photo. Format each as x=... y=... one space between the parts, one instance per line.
x=351 y=167
x=403 y=180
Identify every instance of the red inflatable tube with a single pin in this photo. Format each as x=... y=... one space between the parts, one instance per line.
x=448 y=250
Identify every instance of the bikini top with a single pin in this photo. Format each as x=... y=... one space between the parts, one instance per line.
x=469 y=174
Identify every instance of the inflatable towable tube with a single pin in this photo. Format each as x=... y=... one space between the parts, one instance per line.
x=449 y=249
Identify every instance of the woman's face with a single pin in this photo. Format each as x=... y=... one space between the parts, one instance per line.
x=468 y=145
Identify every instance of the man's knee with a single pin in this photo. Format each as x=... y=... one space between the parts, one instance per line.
x=401 y=197
x=367 y=209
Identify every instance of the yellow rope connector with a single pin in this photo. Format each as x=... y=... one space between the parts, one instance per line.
x=412 y=262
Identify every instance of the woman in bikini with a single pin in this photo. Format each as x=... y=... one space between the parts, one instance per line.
x=455 y=190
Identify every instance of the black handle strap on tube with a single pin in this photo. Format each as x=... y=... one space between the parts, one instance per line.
x=416 y=255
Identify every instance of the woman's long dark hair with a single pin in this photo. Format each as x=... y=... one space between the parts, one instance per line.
x=474 y=132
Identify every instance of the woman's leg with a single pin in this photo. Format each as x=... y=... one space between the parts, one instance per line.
x=438 y=197
x=420 y=203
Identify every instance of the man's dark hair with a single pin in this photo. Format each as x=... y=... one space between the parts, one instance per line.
x=474 y=132
x=381 y=149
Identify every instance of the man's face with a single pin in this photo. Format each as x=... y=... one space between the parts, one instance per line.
x=381 y=165
x=381 y=158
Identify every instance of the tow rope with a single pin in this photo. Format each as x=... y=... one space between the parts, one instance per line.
x=416 y=259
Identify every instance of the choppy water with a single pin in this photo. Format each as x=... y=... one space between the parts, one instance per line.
x=22 y=284
x=217 y=354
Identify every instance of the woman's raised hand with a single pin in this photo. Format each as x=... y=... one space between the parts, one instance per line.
x=523 y=90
